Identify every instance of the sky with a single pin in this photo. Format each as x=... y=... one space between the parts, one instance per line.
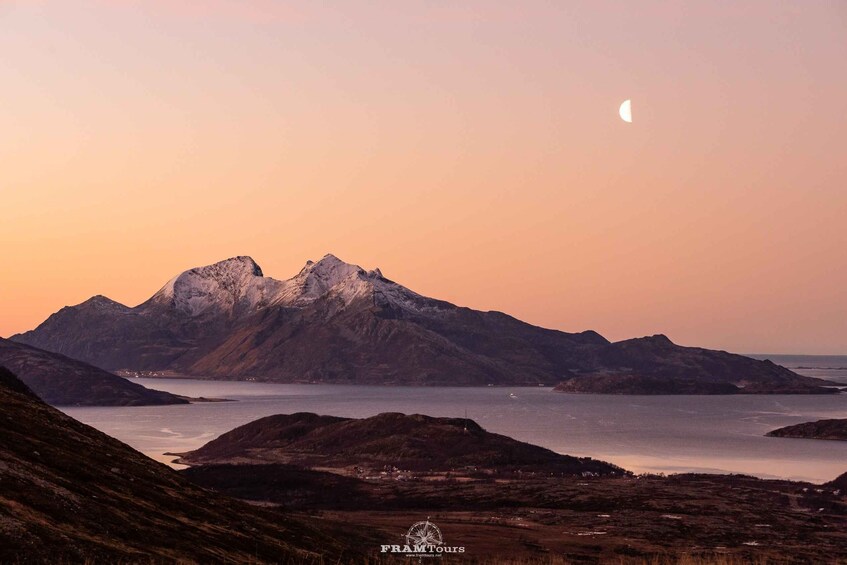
x=472 y=151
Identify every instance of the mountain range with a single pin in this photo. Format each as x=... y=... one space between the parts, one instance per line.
x=335 y=322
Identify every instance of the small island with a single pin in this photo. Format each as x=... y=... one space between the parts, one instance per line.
x=834 y=429
x=402 y=445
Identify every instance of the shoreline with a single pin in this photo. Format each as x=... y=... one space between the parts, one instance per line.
x=835 y=388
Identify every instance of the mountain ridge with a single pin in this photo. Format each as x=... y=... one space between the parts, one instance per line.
x=62 y=381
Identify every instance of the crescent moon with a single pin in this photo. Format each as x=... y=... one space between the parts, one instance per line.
x=626 y=111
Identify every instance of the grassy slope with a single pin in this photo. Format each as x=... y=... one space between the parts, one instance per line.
x=71 y=493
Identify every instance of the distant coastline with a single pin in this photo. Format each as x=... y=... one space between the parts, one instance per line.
x=803 y=361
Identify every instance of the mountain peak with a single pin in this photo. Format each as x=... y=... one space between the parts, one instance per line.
x=100 y=302
x=241 y=263
x=316 y=279
x=660 y=339
x=100 y=299
x=330 y=261
x=234 y=283
x=327 y=272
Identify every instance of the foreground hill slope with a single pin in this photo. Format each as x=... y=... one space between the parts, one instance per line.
x=69 y=493
x=413 y=442
x=714 y=519
x=840 y=483
x=61 y=381
x=336 y=322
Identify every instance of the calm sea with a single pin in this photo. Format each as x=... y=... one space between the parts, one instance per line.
x=642 y=433
x=830 y=367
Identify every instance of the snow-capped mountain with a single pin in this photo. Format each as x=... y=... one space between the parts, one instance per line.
x=231 y=287
x=337 y=322
x=237 y=287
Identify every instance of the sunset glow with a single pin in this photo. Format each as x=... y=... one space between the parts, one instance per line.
x=471 y=153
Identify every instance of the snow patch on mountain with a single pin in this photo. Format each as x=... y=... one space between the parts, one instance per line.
x=237 y=287
x=316 y=280
x=334 y=278
x=231 y=287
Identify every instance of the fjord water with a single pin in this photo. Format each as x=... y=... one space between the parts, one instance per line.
x=666 y=434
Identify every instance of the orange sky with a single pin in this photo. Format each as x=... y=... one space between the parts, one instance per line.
x=474 y=154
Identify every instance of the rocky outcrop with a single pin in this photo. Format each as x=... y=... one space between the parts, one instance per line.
x=835 y=429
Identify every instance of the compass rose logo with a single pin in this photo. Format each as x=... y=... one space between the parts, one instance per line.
x=424 y=533
x=422 y=540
